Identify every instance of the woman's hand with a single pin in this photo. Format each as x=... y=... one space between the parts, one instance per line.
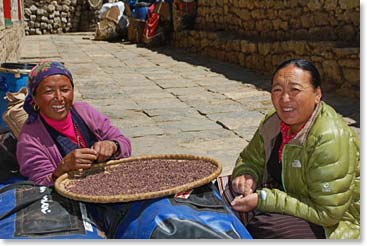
x=244 y=184
x=105 y=149
x=245 y=204
x=77 y=159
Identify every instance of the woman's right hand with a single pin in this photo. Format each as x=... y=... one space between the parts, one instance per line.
x=244 y=184
x=77 y=159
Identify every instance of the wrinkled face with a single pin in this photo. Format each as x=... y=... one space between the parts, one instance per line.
x=54 y=96
x=294 y=96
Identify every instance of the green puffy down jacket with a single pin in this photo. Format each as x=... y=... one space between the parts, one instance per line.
x=320 y=172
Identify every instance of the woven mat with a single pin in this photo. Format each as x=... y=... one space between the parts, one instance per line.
x=62 y=182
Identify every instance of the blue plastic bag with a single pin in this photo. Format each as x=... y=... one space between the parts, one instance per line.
x=199 y=213
x=32 y=211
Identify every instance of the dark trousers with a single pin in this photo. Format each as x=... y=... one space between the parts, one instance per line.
x=280 y=226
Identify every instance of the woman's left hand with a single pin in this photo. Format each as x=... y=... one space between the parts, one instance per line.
x=245 y=203
x=105 y=149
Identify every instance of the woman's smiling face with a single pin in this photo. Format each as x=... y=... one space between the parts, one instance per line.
x=293 y=96
x=54 y=96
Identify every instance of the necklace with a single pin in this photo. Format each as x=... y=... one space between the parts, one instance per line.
x=77 y=136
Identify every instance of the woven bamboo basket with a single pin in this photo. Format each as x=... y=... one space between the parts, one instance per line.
x=62 y=182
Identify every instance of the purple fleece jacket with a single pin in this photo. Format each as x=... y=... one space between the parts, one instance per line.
x=38 y=155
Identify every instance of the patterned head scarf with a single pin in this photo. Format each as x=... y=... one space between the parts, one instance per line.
x=35 y=77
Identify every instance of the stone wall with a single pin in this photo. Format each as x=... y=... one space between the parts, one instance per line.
x=260 y=34
x=11 y=30
x=10 y=40
x=328 y=20
x=58 y=16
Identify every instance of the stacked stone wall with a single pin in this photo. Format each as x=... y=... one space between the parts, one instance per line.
x=260 y=34
x=58 y=16
x=327 y=20
x=339 y=66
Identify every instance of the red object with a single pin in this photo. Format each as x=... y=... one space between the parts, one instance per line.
x=188 y=8
x=7 y=9
x=151 y=22
x=284 y=129
x=19 y=10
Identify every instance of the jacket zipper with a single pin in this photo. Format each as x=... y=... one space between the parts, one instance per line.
x=283 y=166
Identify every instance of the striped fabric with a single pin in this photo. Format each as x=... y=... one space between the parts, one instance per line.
x=282 y=226
x=225 y=190
x=270 y=225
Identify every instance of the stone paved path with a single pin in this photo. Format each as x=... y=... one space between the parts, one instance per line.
x=168 y=101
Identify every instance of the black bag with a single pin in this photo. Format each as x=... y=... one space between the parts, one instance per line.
x=32 y=211
x=8 y=161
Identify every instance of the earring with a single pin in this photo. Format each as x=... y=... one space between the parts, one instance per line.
x=36 y=107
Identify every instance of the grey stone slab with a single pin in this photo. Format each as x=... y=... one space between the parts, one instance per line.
x=246 y=132
x=131 y=118
x=154 y=95
x=121 y=103
x=220 y=107
x=172 y=114
x=158 y=103
x=142 y=131
x=190 y=125
x=141 y=90
x=236 y=120
x=202 y=97
x=175 y=83
x=187 y=91
x=154 y=145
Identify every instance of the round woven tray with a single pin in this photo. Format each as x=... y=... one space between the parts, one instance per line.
x=64 y=179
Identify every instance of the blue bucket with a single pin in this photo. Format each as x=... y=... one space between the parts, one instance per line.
x=13 y=76
x=141 y=10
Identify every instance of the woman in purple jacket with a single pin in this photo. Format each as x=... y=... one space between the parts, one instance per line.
x=59 y=135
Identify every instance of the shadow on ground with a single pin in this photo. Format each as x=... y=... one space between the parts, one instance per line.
x=349 y=108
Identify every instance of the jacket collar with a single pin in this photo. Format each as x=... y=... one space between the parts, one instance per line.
x=301 y=137
x=271 y=127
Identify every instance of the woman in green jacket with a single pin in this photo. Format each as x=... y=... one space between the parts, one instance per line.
x=299 y=175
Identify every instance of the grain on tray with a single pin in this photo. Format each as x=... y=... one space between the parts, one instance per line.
x=141 y=176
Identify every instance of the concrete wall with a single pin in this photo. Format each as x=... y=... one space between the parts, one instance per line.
x=260 y=34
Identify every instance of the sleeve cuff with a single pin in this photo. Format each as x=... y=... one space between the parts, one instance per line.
x=262 y=197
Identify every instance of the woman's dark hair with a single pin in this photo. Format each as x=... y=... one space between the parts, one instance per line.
x=304 y=65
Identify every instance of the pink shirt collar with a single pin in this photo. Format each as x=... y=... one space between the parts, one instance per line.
x=65 y=126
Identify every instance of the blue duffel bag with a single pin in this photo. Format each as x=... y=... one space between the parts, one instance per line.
x=38 y=212
x=199 y=213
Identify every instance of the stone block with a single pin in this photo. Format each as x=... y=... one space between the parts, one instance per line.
x=350 y=63
x=347 y=32
x=307 y=21
x=322 y=19
x=264 y=48
x=27 y=12
x=314 y=5
x=349 y=4
x=33 y=9
x=50 y=8
x=330 y=4
x=352 y=75
x=331 y=70
x=248 y=47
